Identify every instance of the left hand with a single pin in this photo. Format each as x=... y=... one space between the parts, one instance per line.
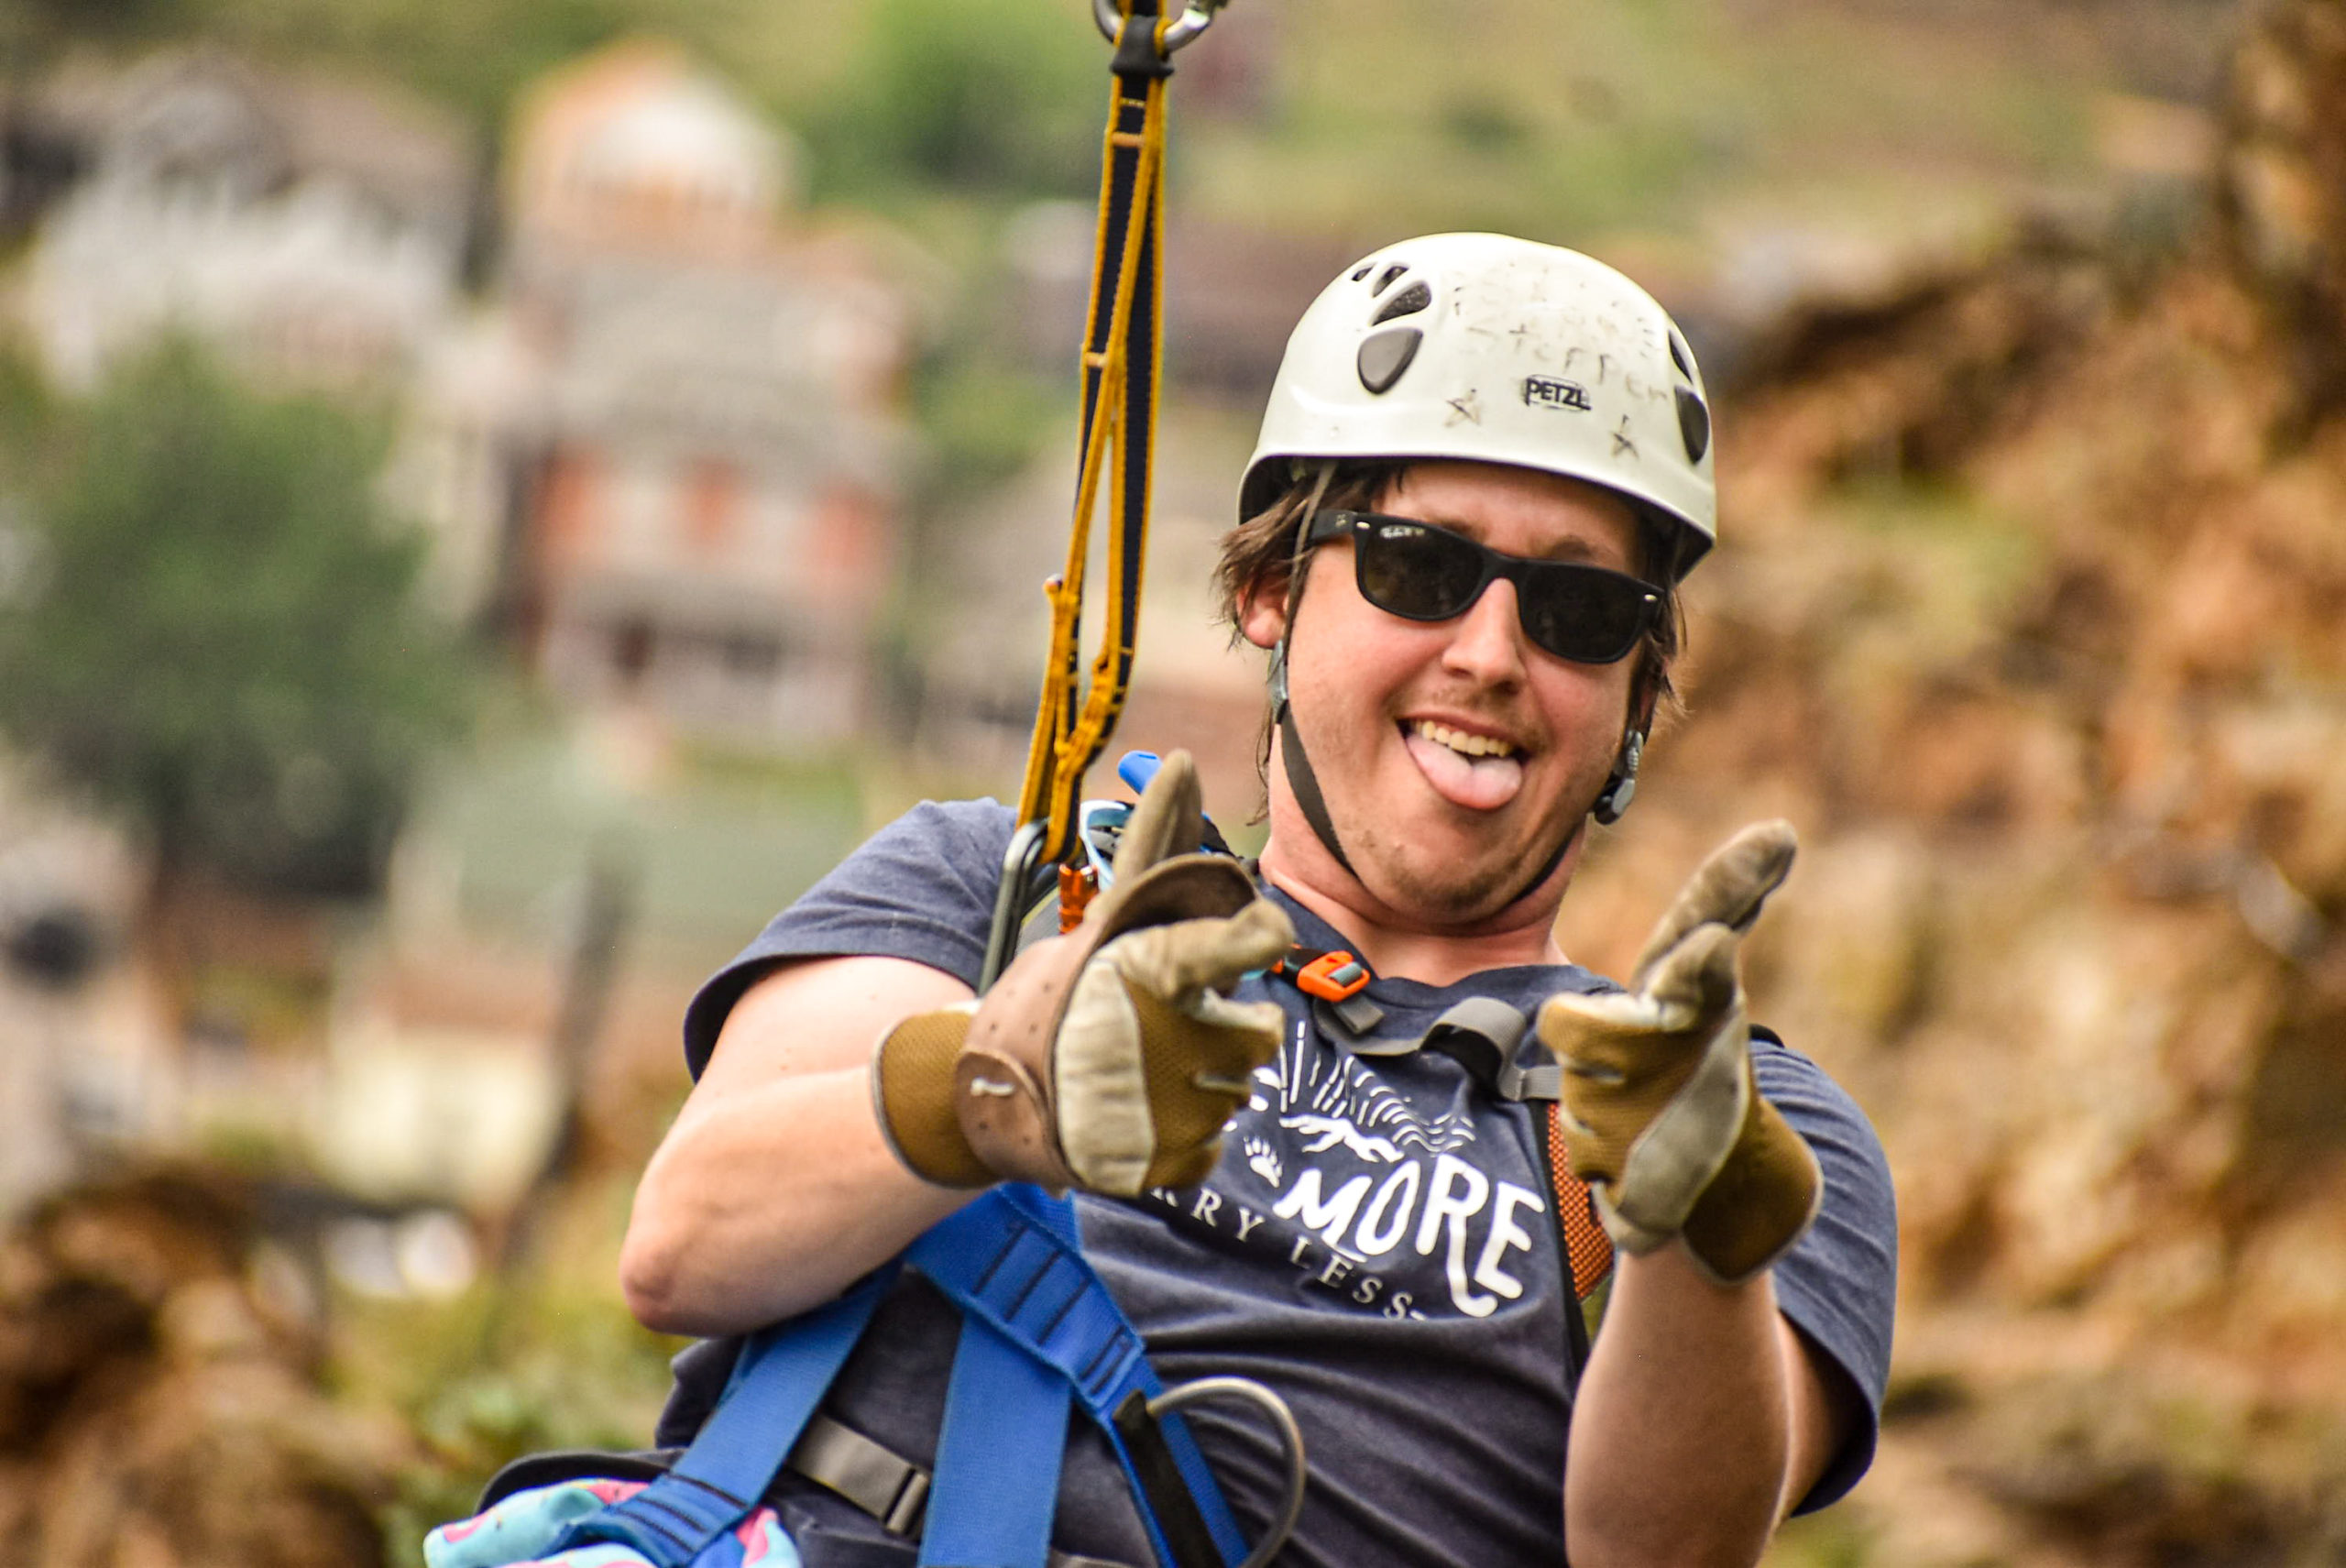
x=1662 y=1119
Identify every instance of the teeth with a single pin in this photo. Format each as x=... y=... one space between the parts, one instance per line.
x=1460 y=741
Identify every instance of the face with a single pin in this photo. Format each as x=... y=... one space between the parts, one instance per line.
x=1455 y=757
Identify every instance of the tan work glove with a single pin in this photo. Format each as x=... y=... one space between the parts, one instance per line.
x=1662 y=1120
x=1109 y=1057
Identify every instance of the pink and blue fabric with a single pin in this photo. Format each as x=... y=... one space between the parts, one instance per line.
x=517 y=1532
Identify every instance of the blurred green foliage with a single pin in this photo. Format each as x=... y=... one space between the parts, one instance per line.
x=984 y=418
x=1835 y=1539
x=539 y=1357
x=25 y=410
x=1372 y=114
x=895 y=94
x=209 y=624
x=1004 y=99
x=722 y=841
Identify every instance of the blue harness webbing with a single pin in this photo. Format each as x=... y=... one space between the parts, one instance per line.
x=1040 y=1331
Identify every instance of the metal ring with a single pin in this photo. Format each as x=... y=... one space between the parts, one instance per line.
x=1290 y=1439
x=1193 y=21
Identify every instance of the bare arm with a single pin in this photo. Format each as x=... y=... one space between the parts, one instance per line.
x=774 y=1188
x=1703 y=1417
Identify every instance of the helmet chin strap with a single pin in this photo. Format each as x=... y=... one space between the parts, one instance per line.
x=1301 y=782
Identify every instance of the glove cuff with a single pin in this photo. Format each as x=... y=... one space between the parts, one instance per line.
x=913 y=1094
x=1761 y=1202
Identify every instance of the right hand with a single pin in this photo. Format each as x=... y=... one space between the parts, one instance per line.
x=1112 y=1056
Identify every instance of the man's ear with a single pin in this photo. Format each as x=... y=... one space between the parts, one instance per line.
x=1262 y=614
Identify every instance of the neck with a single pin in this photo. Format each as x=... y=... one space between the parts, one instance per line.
x=1396 y=942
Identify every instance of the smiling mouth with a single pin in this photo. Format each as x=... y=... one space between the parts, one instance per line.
x=1460 y=741
x=1480 y=773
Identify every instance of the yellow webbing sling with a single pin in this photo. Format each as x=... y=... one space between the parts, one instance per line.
x=1119 y=368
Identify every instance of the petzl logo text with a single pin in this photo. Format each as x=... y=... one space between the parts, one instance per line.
x=1547 y=392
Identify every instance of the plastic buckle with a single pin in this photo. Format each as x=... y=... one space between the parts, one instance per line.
x=1332 y=977
x=1077 y=886
x=903 y=1515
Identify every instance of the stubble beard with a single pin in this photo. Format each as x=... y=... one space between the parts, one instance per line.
x=1462 y=895
x=1445 y=894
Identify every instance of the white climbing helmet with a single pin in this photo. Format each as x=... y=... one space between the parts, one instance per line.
x=1501 y=350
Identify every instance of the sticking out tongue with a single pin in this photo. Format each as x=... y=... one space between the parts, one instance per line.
x=1480 y=784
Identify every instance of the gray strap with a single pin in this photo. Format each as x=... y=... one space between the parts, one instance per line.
x=1545 y=1081
x=880 y=1481
x=1480 y=1034
x=1351 y=1019
x=875 y=1478
x=1499 y=1026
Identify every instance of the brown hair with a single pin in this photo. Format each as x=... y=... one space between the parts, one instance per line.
x=1261 y=555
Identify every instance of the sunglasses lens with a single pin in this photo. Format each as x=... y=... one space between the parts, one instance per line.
x=1588 y=615
x=1419 y=574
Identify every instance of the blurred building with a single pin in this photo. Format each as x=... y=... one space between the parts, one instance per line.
x=307 y=227
x=78 y=1040
x=686 y=423
x=1232 y=294
x=982 y=630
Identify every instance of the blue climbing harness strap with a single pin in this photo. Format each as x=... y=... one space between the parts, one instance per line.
x=1039 y=1334
x=997 y=1480
x=779 y=1380
x=1012 y=1262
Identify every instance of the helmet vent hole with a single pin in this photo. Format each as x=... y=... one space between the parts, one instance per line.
x=1680 y=357
x=1362 y=270
x=1694 y=424
x=1385 y=279
x=1386 y=354
x=1408 y=302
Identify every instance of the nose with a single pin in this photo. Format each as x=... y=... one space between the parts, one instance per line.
x=1487 y=642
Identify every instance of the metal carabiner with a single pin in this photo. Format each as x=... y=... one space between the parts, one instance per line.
x=1290 y=1439
x=1021 y=862
x=1193 y=21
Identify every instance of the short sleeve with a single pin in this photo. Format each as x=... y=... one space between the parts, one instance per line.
x=1839 y=1284
x=922 y=888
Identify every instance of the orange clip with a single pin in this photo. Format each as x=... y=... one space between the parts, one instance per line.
x=1077 y=886
x=1332 y=977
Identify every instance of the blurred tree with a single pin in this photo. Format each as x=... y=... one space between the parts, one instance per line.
x=1006 y=99
x=212 y=628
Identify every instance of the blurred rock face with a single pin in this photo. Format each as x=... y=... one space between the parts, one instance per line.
x=2033 y=616
x=154 y=1412
x=2284 y=169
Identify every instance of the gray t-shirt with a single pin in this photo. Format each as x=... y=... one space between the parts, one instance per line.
x=1378 y=1244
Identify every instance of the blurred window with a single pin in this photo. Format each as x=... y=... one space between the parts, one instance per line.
x=712 y=501
x=567 y=516
x=631 y=642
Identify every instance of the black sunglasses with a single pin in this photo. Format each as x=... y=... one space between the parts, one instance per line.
x=1420 y=572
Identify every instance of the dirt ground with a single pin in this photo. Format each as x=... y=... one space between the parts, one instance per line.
x=159 y=1407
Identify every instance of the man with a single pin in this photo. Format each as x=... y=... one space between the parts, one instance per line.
x=1485 y=465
